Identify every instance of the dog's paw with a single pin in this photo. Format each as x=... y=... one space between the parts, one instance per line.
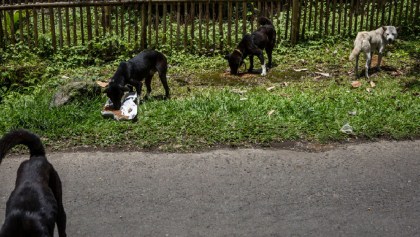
x=264 y=70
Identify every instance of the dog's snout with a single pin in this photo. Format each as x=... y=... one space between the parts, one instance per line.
x=117 y=106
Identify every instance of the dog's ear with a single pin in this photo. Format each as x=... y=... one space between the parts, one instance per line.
x=384 y=28
x=227 y=56
x=397 y=28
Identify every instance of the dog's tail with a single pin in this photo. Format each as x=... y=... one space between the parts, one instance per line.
x=356 y=50
x=24 y=137
x=264 y=21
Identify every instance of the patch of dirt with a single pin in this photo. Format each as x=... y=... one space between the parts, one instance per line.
x=241 y=75
x=286 y=75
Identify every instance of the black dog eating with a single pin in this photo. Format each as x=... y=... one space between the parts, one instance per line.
x=35 y=205
x=133 y=72
x=253 y=45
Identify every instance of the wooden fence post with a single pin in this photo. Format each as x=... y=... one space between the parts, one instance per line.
x=295 y=21
x=66 y=21
x=52 y=27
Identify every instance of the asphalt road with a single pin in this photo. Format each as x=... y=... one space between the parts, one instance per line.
x=356 y=190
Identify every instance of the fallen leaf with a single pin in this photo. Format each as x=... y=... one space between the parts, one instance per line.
x=285 y=83
x=301 y=70
x=238 y=91
x=102 y=84
x=271 y=112
x=372 y=84
x=243 y=98
x=323 y=74
x=356 y=84
x=270 y=88
x=369 y=89
x=65 y=77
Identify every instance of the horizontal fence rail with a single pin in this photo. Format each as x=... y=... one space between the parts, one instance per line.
x=194 y=25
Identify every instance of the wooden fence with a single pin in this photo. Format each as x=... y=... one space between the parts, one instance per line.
x=195 y=25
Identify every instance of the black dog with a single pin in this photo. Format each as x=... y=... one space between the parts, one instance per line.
x=134 y=71
x=35 y=204
x=263 y=38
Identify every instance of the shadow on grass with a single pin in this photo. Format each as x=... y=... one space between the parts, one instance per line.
x=153 y=98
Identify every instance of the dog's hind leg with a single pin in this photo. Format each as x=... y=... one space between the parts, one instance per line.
x=357 y=66
x=162 y=69
x=251 y=63
x=269 y=52
x=164 y=81
x=380 y=54
x=56 y=187
x=368 y=61
x=148 y=82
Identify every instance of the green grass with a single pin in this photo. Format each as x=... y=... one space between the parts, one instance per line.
x=210 y=108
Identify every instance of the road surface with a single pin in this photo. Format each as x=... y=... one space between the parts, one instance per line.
x=370 y=189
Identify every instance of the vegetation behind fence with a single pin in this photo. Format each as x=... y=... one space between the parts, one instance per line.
x=195 y=25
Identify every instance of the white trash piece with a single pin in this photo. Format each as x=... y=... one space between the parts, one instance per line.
x=347 y=129
x=128 y=110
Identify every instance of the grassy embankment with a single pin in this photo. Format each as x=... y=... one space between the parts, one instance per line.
x=297 y=101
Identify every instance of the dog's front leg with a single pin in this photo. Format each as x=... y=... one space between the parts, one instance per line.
x=138 y=85
x=368 y=61
x=380 y=53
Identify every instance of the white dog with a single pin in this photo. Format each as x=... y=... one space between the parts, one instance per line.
x=369 y=41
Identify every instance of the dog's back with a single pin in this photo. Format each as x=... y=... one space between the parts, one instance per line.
x=35 y=205
x=148 y=61
x=265 y=36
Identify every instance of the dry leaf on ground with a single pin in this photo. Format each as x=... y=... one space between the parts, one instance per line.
x=372 y=84
x=301 y=70
x=102 y=84
x=238 y=91
x=270 y=88
x=356 y=84
x=323 y=74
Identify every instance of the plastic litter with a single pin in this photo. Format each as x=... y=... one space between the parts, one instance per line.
x=128 y=110
x=347 y=129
